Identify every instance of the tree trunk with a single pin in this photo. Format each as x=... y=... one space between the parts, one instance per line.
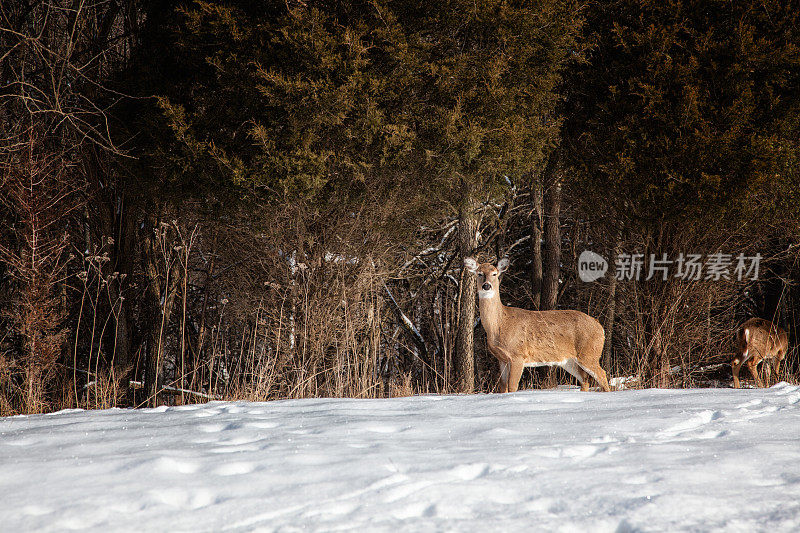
x=552 y=235
x=551 y=255
x=612 y=308
x=464 y=357
x=537 y=223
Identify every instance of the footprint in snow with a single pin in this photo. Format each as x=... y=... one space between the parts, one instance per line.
x=234 y=448
x=557 y=507
x=212 y=428
x=170 y=465
x=127 y=507
x=470 y=472
x=362 y=445
x=238 y=441
x=334 y=509
x=378 y=428
x=793 y=398
x=583 y=451
x=392 y=480
x=36 y=510
x=751 y=403
x=266 y=424
x=187 y=499
x=206 y=413
x=234 y=469
x=404 y=490
x=572 y=399
x=309 y=459
x=637 y=479
x=696 y=422
x=626 y=527
x=189 y=407
x=415 y=510
x=751 y=414
x=154 y=410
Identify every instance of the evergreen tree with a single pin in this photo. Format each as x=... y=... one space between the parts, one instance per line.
x=329 y=101
x=487 y=92
x=683 y=106
x=681 y=125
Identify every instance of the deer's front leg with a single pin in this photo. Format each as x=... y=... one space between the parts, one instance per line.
x=514 y=374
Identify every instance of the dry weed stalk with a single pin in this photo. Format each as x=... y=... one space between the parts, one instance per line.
x=41 y=199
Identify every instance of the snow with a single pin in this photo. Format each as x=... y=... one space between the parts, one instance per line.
x=559 y=460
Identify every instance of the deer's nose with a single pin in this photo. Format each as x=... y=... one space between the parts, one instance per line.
x=487 y=286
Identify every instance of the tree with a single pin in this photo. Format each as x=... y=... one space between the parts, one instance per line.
x=329 y=102
x=274 y=105
x=681 y=107
x=56 y=59
x=488 y=79
x=676 y=122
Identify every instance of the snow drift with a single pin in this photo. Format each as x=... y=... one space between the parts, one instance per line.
x=562 y=460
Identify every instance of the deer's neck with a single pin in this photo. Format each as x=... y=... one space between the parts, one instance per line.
x=491 y=316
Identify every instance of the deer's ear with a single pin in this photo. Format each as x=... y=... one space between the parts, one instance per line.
x=470 y=264
x=502 y=265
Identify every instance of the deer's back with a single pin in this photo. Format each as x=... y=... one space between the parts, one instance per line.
x=764 y=338
x=550 y=335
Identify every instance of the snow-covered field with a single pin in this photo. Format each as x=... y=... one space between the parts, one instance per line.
x=649 y=460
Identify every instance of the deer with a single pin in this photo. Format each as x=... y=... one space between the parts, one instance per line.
x=759 y=340
x=520 y=338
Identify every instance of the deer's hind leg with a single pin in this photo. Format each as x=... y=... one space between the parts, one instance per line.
x=766 y=366
x=753 y=367
x=599 y=375
x=583 y=377
x=735 y=367
x=777 y=367
x=589 y=360
x=603 y=378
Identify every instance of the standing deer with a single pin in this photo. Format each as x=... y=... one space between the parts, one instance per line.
x=520 y=338
x=758 y=340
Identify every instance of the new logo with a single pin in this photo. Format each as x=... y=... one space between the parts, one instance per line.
x=591 y=266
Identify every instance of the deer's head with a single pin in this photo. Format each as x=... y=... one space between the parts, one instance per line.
x=488 y=275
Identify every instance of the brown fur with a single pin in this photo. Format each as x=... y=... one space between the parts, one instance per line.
x=764 y=342
x=518 y=337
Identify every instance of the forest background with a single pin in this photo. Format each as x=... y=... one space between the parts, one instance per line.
x=273 y=199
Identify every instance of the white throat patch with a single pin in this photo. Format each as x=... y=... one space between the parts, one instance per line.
x=485 y=294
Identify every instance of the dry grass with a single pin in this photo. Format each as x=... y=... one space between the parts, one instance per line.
x=301 y=326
